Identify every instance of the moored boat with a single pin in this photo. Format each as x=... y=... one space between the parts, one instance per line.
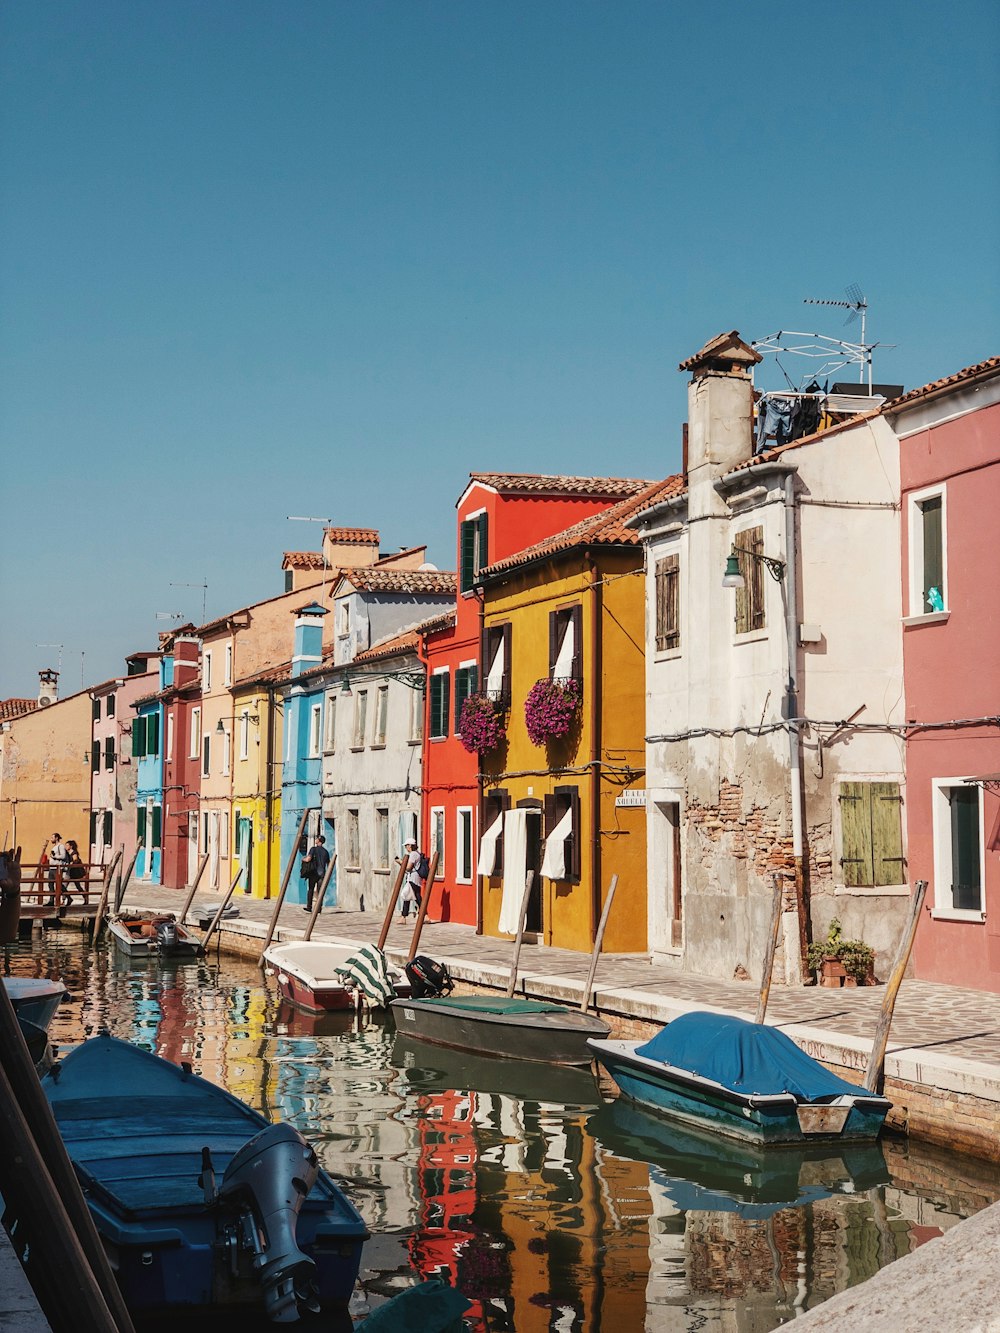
x=35 y=999
x=319 y=976
x=149 y=1141
x=502 y=1025
x=741 y=1079
x=145 y=936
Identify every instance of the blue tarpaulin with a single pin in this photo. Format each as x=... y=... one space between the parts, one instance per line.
x=746 y=1057
x=429 y=1307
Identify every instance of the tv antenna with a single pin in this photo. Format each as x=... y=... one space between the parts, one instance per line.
x=834 y=353
x=53 y=645
x=170 y=615
x=327 y=523
x=204 y=593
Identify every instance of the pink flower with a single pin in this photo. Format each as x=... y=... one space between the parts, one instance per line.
x=550 y=708
x=481 y=724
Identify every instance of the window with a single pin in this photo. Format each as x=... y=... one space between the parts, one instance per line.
x=195 y=747
x=437 y=839
x=381 y=839
x=95 y=711
x=668 y=629
x=109 y=752
x=206 y=756
x=496 y=658
x=146 y=736
x=140 y=825
x=107 y=832
x=227 y=674
x=750 y=598
x=565 y=643
x=472 y=550
x=138 y=738
x=170 y=735
x=440 y=690
x=157 y=813
x=344 y=618
x=226 y=740
x=561 y=815
x=152 y=734
x=110 y=707
x=871 y=836
x=93 y=828
x=959 y=848
x=463 y=846
x=495 y=803
x=466 y=683
x=289 y=580
x=928 y=593
x=315 y=726
x=416 y=715
x=360 y=718
x=245 y=733
x=381 y=713
x=206 y=673
x=330 y=727
x=353 y=840
x=95 y=752
x=407 y=829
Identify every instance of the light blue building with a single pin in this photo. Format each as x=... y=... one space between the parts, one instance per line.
x=147 y=752
x=302 y=766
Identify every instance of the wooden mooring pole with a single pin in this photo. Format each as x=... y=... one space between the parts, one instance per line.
x=422 y=910
x=285 y=880
x=588 y=989
x=529 y=880
x=214 y=925
x=391 y=906
x=772 y=944
x=120 y=889
x=876 y=1061
x=318 y=897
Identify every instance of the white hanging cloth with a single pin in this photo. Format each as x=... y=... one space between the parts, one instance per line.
x=494 y=680
x=488 y=848
x=554 y=860
x=563 y=668
x=515 y=867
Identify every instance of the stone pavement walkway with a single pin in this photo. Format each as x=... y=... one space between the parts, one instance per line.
x=942 y=1037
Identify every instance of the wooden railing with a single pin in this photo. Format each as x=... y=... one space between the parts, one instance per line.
x=48 y=892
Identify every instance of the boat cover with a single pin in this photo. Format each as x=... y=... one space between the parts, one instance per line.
x=429 y=1307
x=746 y=1057
x=488 y=1004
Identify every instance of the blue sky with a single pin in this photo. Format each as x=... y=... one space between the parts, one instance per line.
x=261 y=259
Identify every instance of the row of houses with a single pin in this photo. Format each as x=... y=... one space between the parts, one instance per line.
x=781 y=662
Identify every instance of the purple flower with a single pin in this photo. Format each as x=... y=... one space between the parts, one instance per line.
x=550 y=708
x=481 y=724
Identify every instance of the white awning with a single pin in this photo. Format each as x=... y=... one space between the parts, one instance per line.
x=488 y=848
x=563 y=668
x=554 y=860
x=494 y=680
x=515 y=860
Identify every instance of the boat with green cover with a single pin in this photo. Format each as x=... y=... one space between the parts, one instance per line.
x=502 y=1025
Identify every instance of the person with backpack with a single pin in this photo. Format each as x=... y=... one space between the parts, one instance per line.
x=413 y=882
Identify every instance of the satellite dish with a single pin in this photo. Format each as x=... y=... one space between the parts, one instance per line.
x=428 y=568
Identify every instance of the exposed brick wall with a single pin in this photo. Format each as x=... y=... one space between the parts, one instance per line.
x=754 y=836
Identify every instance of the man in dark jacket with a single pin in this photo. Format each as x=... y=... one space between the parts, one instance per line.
x=314 y=865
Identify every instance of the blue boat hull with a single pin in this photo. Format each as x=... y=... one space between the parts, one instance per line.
x=135 y=1127
x=764 y=1119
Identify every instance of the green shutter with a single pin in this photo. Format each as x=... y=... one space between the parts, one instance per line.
x=139 y=738
x=93 y=828
x=887 y=834
x=482 y=547
x=153 y=741
x=109 y=752
x=95 y=757
x=106 y=839
x=96 y=711
x=437 y=705
x=856 y=833
x=157 y=812
x=467 y=555
x=933 y=571
x=140 y=825
x=966 y=887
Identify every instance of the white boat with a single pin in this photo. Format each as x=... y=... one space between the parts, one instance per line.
x=321 y=976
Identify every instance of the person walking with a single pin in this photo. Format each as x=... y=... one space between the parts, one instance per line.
x=412 y=883
x=76 y=871
x=314 y=865
x=58 y=861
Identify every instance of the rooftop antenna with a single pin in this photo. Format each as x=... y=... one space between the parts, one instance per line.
x=169 y=615
x=327 y=523
x=204 y=593
x=53 y=645
x=857 y=305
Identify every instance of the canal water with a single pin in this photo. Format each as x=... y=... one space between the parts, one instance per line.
x=553 y=1208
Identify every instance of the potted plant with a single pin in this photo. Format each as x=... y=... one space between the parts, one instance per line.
x=840 y=962
x=481 y=724
x=550 y=708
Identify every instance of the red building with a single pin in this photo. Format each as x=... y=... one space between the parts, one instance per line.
x=181 y=770
x=949 y=437
x=499 y=514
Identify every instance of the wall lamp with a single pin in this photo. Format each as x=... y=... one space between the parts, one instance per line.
x=733 y=578
x=414 y=680
x=220 y=726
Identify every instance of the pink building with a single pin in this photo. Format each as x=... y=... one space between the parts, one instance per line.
x=949 y=437
x=112 y=787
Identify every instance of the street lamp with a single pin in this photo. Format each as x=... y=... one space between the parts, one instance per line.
x=733 y=577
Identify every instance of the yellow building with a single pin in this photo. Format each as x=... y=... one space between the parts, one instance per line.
x=564 y=634
x=257 y=750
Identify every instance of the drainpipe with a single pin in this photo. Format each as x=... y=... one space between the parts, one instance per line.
x=269 y=790
x=794 y=924
x=596 y=658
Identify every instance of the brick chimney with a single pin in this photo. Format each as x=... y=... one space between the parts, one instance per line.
x=720 y=408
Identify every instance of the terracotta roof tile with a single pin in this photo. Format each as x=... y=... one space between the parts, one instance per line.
x=415 y=581
x=275 y=675
x=302 y=560
x=604 y=529
x=408 y=641
x=353 y=536
x=982 y=369
x=11 y=708
x=531 y=483
x=437 y=623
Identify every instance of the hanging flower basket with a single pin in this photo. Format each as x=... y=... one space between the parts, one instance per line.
x=481 y=724
x=550 y=708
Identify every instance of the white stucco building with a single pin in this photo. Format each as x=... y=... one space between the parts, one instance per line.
x=771 y=707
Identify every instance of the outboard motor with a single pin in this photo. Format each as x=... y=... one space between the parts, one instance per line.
x=166 y=935
x=271 y=1176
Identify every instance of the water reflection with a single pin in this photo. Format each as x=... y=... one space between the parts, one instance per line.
x=551 y=1211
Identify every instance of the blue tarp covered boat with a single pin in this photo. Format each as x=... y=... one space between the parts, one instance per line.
x=741 y=1079
x=200 y=1202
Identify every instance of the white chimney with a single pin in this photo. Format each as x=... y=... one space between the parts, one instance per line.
x=720 y=408
x=48 y=687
